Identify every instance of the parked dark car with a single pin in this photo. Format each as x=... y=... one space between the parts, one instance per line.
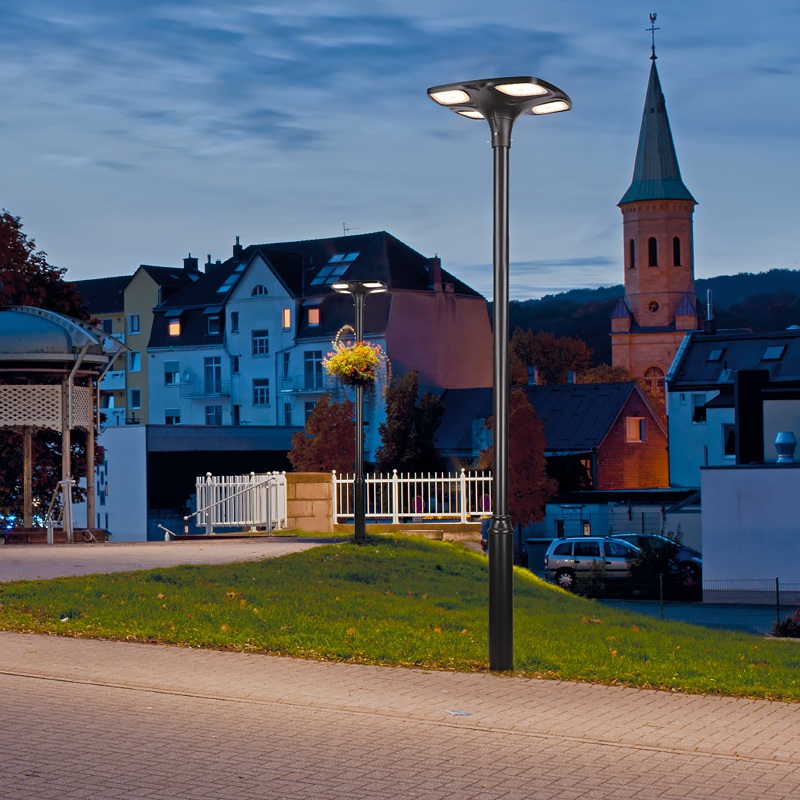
x=687 y=560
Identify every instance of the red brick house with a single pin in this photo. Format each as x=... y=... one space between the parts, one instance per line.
x=610 y=429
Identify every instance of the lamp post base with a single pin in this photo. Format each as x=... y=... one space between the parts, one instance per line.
x=500 y=539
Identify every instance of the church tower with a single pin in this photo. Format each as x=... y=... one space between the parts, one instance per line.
x=659 y=307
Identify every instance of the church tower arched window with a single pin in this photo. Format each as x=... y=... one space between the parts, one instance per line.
x=652 y=251
x=632 y=254
x=676 y=251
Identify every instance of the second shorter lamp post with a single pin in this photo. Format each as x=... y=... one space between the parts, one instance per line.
x=359 y=291
x=500 y=101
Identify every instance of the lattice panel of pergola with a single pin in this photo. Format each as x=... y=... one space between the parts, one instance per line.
x=40 y=406
x=81 y=407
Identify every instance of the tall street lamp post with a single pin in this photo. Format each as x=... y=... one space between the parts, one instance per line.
x=359 y=291
x=500 y=101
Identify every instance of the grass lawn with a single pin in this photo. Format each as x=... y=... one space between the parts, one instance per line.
x=400 y=601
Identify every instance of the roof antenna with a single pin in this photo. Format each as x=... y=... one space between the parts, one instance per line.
x=653 y=30
x=345 y=229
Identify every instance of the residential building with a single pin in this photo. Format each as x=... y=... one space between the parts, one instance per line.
x=123 y=306
x=710 y=373
x=607 y=434
x=659 y=306
x=244 y=345
x=105 y=298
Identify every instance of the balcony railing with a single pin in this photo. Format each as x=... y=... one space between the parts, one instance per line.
x=113 y=381
x=300 y=385
x=189 y=389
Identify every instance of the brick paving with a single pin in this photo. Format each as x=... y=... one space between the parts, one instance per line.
x=93 y=720
x=104 y=720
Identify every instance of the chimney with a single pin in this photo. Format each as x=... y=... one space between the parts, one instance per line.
x=237 y=249
x=748 y=401
x=210 y=267
x=435 y=264
x=190 y=264
x=571 y=376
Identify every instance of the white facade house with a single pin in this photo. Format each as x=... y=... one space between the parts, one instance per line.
x=244 y=345
x=711 y=374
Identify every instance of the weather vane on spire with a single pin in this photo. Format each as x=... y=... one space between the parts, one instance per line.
x=653 y=30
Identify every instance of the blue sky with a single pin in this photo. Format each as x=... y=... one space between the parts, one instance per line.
x=137 y=132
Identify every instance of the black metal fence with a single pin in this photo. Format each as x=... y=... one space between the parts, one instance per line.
x=752 y=606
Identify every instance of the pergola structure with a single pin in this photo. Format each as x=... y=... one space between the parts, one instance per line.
x=50 y=366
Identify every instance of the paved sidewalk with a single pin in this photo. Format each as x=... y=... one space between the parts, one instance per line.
x=104 y=720
x=32 y=561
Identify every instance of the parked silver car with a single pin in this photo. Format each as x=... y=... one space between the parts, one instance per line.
x=567 y=559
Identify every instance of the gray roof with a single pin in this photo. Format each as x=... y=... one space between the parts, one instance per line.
x=656 y=174
x=576 y=417
x=709 y=361
x=104 y=295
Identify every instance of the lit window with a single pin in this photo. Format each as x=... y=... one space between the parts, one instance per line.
x=172 y=375
x=259 y=290
x=634 y=429
x=286 y=317
x=313 y=316
x=134 y=323
x=260 y=343
x=261 y=391
x=174 y=327
x=134 y=361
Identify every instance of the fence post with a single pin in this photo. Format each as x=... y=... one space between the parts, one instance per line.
x=395 y=499
x=464 y=496
x=335 y=491
x=210 y=497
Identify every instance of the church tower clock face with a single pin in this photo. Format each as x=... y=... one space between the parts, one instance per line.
x=652 y=307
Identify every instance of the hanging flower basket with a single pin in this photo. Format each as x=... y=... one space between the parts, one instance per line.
x=356 y=363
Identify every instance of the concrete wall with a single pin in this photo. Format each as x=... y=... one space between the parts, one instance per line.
x=309 y=501
x=121 y=484
x=750 y=525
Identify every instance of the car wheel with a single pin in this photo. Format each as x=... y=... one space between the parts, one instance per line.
x=565 y=578
x=689 y=574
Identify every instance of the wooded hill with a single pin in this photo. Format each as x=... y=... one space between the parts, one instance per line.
x=761 y=302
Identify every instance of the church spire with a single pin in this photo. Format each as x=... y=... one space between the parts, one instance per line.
x=656 y=174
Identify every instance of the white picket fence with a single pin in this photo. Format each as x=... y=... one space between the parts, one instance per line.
x=396 y=498
x=240 y=501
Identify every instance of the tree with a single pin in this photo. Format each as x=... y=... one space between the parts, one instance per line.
x=529 y=486
x=26 y=279
x=407 y=436
x=328 y=441
x=605 y=373
x=554 y=357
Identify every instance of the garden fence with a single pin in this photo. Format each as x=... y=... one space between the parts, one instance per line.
x=397 y=498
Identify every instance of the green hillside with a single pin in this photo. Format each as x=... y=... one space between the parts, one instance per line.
x=758 y=301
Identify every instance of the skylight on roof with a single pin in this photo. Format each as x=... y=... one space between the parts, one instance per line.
x=336 y=267
x=715 y=355
x=774 y=352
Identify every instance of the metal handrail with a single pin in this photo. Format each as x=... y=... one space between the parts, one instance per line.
x=65 y=515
